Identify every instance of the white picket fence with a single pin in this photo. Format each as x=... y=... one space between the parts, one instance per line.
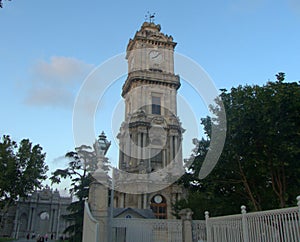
x=228 y=228
x=280 y=225
x=146 y=230
x=273 y=226
x=199 y=230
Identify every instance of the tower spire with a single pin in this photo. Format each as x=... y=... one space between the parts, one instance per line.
x=149 y=17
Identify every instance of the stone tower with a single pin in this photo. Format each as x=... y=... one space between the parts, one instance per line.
x=151 y=135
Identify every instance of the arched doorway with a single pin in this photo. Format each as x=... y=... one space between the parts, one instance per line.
x=22 y=223
x=159 y=206
x=43 y=223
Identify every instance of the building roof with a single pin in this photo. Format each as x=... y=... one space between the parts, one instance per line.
x=146 y=213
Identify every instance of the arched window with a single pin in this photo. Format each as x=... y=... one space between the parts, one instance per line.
x=22 y=223
x=159 y=206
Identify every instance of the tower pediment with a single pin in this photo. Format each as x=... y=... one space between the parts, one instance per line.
x=150 y=35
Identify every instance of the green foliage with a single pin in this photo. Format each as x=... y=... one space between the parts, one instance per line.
x=22 y=169
x=82 y=162
x=259 y=166
x=6 y=239
x=1 y=3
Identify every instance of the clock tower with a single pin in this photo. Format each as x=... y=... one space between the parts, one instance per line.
x=151 y=135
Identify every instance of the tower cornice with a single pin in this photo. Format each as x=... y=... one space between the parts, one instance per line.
x=143 y=77
x=150 y=34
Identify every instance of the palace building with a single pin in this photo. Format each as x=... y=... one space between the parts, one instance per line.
x=40 y=213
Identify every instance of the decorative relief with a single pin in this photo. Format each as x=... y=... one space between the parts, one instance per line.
x=173 y=132
x=142 y=130
x=159 y=120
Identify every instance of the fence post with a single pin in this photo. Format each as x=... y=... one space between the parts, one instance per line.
x=186 y=217
x=208 y=231
x=244 y=224
x=298 y=203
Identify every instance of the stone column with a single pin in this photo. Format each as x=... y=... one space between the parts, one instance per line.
x=99 y=208
x=128 y=149
x=136 y=148
x=148 y=156
x=29 y=219
x=121 y=196
x=172 y=109
x=176 y=146
x=58 y=222
x=145 y=201
x=143 y=148
x=139 y=153
x=124 y=153
x=164 y=163
x=171 y=148
x=33 y=219
x=175 y=102
x=50 y=220
x=131 y=149
x=186 y=217
x=180 y=150
x=121 y=158
x=139 y=197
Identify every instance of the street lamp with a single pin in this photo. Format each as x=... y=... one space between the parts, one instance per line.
x=101 y=146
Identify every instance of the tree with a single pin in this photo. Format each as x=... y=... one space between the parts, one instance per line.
x=1 y=3
x=259 y=165
x=82 y=162
x=22 y=169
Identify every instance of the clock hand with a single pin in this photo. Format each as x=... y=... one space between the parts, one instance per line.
x=155 y=56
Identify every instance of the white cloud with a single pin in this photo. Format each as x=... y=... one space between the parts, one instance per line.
x=55 y=83
x=60 y=162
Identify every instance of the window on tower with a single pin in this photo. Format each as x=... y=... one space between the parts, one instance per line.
x=156 y=156
x=156 y=106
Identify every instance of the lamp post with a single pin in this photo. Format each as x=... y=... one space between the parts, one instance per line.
x=101 y=147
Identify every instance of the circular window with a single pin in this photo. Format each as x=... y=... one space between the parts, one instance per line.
x=158 y=199
x=128 y=216
x=159 y=206
x=44 y=216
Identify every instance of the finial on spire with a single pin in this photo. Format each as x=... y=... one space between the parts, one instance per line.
x=150 y=17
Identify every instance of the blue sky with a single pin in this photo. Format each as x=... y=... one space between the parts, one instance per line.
x=47 y=48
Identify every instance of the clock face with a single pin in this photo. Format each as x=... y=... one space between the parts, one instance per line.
x=158 y=199
x=156 y=56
